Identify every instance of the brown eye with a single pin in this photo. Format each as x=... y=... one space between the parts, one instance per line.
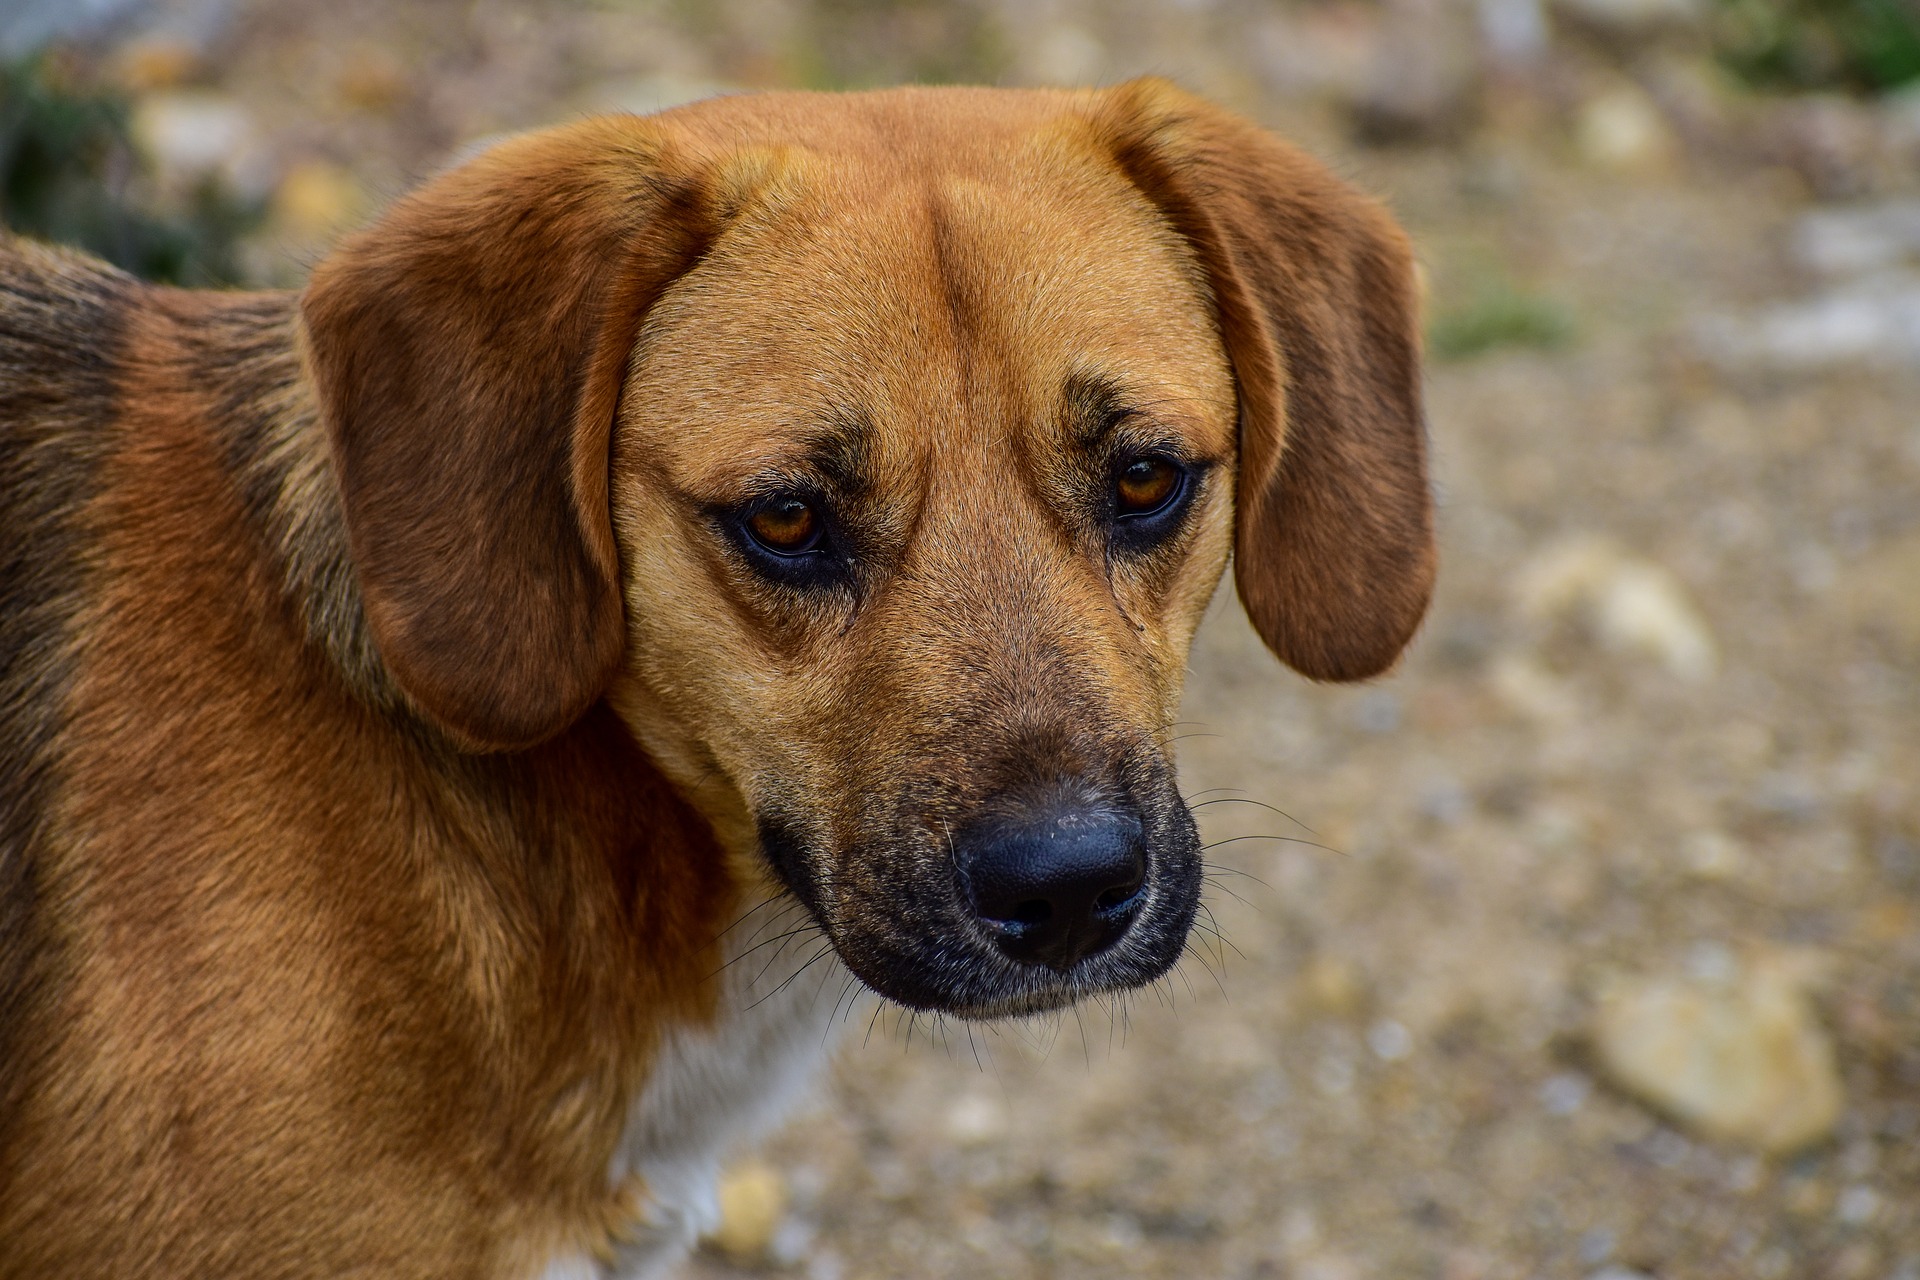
x=785 y=526
x=1145 y=486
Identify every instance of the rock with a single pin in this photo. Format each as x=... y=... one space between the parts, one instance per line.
x=753 y=1199
x=1631 y=604
x=1621 y=129
x=192 y=135
x=1871 y=321
x=1633 y=17
x=157 y=62
x=315 y=200
x=1854 y=241
x=1880 y=594
x=1735 y=1056
x=1425 y=82
x=976 y=1119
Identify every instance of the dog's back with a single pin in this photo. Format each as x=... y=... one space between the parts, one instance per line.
x=61 y=322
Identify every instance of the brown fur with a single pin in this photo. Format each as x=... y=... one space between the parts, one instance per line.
x=389 y=729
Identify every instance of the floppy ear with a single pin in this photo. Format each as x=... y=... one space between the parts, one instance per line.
x=1314 y=284
x=468 y=352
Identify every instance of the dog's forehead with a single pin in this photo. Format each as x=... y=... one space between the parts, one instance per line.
x=950 y=294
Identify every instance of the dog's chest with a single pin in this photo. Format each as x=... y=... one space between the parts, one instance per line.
x=715 y=1089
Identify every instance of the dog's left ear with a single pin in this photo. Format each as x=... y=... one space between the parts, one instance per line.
x=468 y=351
x=1316 y=294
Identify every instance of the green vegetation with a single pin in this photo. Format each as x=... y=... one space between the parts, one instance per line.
x=1866 y=46
x=69 y=172
x=1497 y=315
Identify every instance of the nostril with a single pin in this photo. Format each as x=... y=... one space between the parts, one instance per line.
x=1117 y=899
x=1033 y=911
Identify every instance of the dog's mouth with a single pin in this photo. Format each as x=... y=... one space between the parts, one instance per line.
x=1039 y=901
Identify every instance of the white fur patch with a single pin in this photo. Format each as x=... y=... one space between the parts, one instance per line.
x=715 y=1089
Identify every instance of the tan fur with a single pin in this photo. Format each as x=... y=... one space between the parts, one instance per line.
x=390 y=731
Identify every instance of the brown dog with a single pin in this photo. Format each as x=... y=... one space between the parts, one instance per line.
x=795 y=499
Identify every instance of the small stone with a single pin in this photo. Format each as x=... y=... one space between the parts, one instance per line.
x=1564 y=1094
x=157 y=62
x=1855 y=241
x=1735 y=1057
x=1331 y=986
x=753 y=1199
x=373 y=79
x=1623 y=130
x=1389 y=1040
x=1871 y=321
x=1425 y=81
x=189 y=135
x=316 y=200
x=1712 y=855
x=976 y=1119
x=1633 y=16
x=1619 y=1273
x=1631 y=604
x=1857 y=1205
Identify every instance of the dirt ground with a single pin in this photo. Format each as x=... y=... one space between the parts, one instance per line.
x=1385 y=1064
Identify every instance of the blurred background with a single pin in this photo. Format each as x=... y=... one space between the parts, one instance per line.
x=1586 y=945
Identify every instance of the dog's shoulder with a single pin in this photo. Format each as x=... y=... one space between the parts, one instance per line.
x=62 y=326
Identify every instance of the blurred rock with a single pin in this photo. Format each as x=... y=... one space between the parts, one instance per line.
x=1736 y=1056
x=1633 y=17
x=1712 y=855
x=1622 y=129
x=976 y=1119
x=159 y=62
x=1631 y=604
x=1880 y=594
x=1853 y=241
x=753 y=1198
x=373 y=79
x=315 y=201
x=1833 y=143
x=1871 y=321
x=1425 y=81
x=193 y=135
x=1332 y=986
x=1516 y=31
x=1531 y=690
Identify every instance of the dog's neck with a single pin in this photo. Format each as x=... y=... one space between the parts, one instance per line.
x=276 y=446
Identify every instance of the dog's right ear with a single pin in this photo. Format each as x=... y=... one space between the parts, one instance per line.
x=468 y=352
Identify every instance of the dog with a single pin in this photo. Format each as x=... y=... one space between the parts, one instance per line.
x=789 y=506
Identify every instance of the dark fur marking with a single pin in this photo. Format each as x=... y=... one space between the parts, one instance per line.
x=61 y=327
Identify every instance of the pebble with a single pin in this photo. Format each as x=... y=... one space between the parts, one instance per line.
x=1622 y=130
x=1425 y=81
x=1735 y=1056
x=190 y=135
x=1631 y=604
x=753 y=1199
x=1635 y=16
x=1871 y=321
x=1856 y=240
x=315 y=200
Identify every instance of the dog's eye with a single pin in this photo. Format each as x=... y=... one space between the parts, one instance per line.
x=1146 y=486
x=787 y=527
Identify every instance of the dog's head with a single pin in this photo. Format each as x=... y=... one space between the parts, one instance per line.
x=876 y=457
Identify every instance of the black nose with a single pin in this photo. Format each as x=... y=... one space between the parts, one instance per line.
x=1056 y=883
